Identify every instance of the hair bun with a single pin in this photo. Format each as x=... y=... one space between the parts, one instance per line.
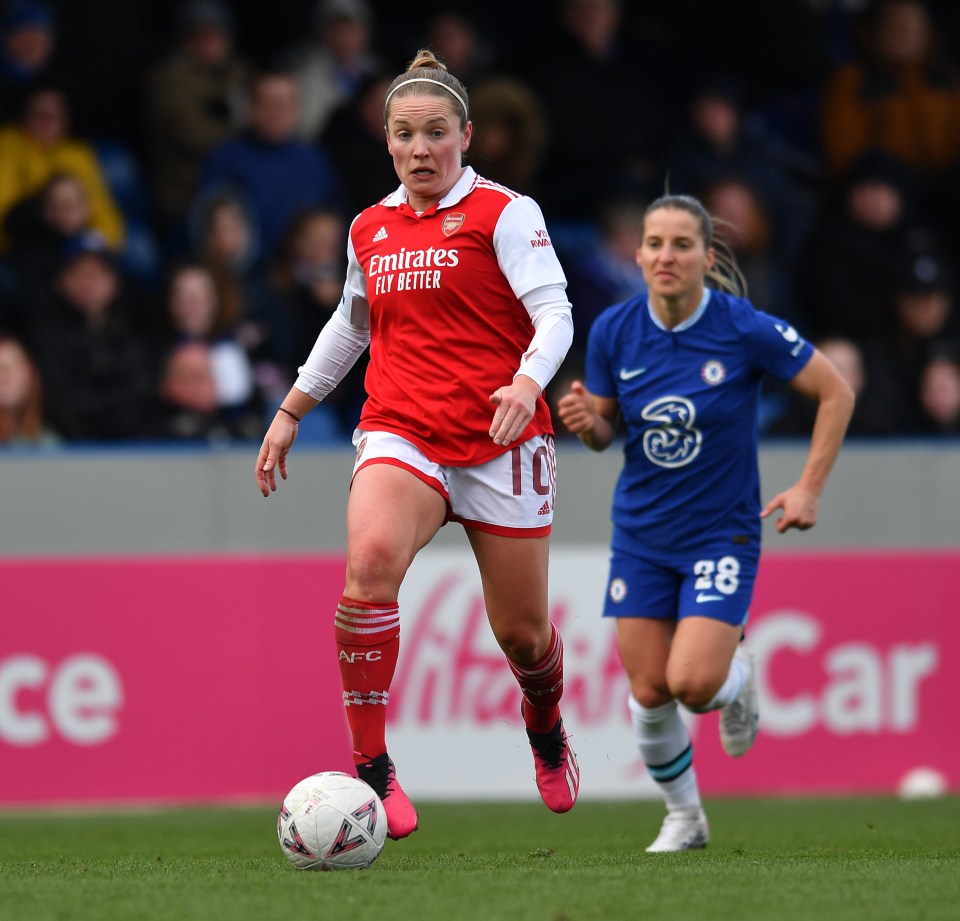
x=426 y=60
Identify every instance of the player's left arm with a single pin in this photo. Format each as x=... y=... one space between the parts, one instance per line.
x=819 y=380
x=530 y=265
x=516 y=403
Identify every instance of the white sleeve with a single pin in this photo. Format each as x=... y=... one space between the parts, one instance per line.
x=335 y=352
x=343 y=338
x=524 y=251
x=552 y=319
x=529 y=262
x=354 y=306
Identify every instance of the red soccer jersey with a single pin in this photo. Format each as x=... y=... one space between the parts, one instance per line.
x=447 y=326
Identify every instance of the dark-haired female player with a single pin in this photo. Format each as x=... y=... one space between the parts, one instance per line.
x=681 y=366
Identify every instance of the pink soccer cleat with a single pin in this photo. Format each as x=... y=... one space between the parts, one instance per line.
x=558 y=776
x=381 y=775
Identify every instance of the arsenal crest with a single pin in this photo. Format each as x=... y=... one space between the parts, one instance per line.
x=452 y=223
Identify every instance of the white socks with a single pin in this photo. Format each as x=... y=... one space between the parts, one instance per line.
x=729 y=689
x=664 y=745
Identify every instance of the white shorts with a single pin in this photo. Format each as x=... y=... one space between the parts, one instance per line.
x=512 y=495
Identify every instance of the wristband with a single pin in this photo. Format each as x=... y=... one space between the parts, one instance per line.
x=290 y=414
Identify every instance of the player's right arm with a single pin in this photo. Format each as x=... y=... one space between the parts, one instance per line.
x=819 y=380
x=340 y=343
x=591 y=418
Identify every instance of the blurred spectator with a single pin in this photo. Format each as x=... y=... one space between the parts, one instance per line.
x=279 y=174
x=605 y=272
x=718 y=140
x=787 y=99
x=309 y=279
x=224 y=240
x=140 y=257
x=310 y=273
x=604 y=115
x=356 y=140
x=39 y=147
x=222 y=231
x=788 y=413
x=21 y=397
x=454 y=35
x=194 y=99
x=96 y=365
x=509 y=134
x=40 y=226
x=900 y=93
x=925 y=321
x=940 y=393
x=846 y=275
x=28 y=43
x=195 y=310
x=188 y=404
x=746 y=225
x=332 y=68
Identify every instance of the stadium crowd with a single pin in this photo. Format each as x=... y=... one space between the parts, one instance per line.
x=176 y=185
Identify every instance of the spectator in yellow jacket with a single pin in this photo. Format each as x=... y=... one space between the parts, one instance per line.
x=39 y=147
x=900 y=94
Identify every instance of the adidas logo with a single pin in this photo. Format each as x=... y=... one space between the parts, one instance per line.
x=544 y=509
x=381 y=234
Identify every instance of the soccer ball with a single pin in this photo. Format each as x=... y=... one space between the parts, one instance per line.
x=331 y=821
x=922 y=783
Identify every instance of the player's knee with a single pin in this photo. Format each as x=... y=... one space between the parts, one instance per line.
x=521 y=643
x=694 y=691
x=650 y=696
x=373 y=572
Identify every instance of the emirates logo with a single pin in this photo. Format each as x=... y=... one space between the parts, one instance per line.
x=452 y=223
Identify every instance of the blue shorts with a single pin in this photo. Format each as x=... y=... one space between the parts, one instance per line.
x=716 y=584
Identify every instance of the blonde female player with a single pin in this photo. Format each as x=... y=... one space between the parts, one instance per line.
x=682 y=366
x=453 y=283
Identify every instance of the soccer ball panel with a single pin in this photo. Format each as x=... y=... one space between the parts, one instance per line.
x=331 y=821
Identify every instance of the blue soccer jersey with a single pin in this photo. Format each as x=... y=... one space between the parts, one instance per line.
x=689 y=398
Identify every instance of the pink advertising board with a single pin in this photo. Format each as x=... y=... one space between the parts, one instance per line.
x=215 y=679
x=859 y=673
x=167 y=679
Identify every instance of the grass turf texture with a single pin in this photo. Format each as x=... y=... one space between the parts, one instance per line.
x=824 y=859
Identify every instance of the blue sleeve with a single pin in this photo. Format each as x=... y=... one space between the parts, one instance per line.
x=599 y=378
x=774 y=346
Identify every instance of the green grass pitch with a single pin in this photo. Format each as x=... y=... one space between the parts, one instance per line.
x=777 y=859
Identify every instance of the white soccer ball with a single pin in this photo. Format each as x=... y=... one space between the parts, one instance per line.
x=331 y=821
x=922 y=783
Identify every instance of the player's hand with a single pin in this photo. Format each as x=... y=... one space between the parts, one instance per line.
x=516 y=403
x=800 y=509
x=273 y=452
x=576 y=410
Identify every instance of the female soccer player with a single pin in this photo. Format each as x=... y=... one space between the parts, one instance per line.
x=682 y=366
x=453 y=283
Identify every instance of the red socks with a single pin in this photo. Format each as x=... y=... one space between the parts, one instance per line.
x=368 y=643
x=542 y=685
